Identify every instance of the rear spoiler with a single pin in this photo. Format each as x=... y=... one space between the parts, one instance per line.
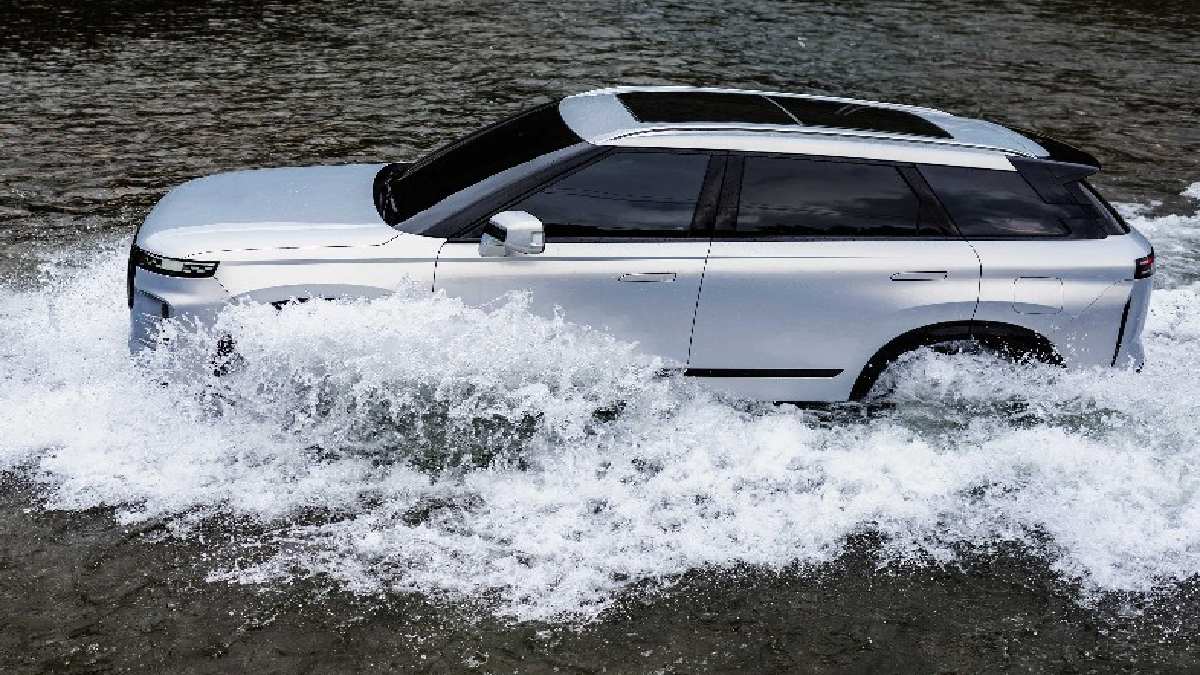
x=1050 y=173
x=1061 y=153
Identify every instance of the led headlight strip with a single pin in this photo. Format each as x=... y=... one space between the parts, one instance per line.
x=173 y=267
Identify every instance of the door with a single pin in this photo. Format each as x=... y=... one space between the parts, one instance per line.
x=816 y=265
x=625 y=249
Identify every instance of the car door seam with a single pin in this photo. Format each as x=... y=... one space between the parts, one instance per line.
x=437 y=258
x=710 y=227
x=696 y=307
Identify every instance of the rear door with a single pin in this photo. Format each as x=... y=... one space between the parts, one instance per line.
x=626 y=240
x=815 y=265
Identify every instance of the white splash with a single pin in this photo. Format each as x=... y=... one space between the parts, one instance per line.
x=493 y=454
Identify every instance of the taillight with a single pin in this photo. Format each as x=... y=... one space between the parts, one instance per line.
x=129 y=276
x=1144 y=267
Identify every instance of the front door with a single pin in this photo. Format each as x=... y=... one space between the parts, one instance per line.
x=821 y=264
x=625 y=250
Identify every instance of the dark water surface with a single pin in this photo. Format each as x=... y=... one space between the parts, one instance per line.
x=106 y=105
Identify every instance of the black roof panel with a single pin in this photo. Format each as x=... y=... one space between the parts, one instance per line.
x=840 y=115
x=682 y=107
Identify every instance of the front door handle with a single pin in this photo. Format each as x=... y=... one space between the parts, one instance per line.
x=645 y=277
x=920 y=275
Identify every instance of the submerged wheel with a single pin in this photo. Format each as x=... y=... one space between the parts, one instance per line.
x=1010 y=342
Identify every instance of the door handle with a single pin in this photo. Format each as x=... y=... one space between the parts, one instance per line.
x=646 y=277
x=920 y=275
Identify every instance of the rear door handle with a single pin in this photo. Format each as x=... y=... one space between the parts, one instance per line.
x=646 y=277
x=920 y=275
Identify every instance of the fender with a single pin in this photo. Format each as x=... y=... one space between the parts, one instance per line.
x=281 y=295
x=1011 y=340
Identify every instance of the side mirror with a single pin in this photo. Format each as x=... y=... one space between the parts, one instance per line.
x=512 y=232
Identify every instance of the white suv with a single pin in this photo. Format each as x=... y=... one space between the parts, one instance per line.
x=780 y=246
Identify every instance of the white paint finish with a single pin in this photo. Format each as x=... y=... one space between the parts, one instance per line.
x=196 y=300
x=595 y=116
x=270 y=276
x=823 y=304
x=1131 y=353
x=1037 y=295
x=1094 y=274
x=360 y=271
x=309 y=207
x=313 y=232
x=584 y=279
x=824 y=144
x=791 y=389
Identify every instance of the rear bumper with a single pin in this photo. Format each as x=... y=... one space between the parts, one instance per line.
x=1129 y=352
x=157 y=297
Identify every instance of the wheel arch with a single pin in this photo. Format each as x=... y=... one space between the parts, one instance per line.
x=1010 y=339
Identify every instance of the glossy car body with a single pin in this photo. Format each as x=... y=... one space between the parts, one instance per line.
x=781 y=247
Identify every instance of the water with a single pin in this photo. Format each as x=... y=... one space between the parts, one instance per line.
x=397 y=451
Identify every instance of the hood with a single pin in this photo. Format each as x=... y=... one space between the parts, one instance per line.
x=308 y=207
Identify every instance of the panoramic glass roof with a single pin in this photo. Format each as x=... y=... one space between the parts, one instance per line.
x=723 y=107
x=702 y=106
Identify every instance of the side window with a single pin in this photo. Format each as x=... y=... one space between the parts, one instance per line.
x=626 y=194
x=991 y=203
x=786 y=196
x=1111 y=221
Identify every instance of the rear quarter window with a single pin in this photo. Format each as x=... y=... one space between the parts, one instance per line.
x=992 y=203
x=1111 y=221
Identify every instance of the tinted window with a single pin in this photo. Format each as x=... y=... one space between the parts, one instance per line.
x=627 y=194
x=784 y=196
x=990 y=203
x=840 y=115
x=700 y=106
x=1112 y=222
x=486 y=152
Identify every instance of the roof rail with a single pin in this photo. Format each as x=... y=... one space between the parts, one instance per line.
x=820 y=131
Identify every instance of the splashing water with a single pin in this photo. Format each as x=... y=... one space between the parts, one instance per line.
x=488 y=453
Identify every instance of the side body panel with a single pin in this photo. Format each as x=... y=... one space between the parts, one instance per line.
x=281 y=274
x=820 y=306
x=1072 y=291
x=643 y=291
x=1129 y=353
x=367 y=271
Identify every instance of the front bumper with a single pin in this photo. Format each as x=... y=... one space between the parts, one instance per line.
x=156 y=297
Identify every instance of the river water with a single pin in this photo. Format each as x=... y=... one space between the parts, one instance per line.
x=413 y=444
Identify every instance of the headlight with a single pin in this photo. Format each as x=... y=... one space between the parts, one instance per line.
x=172 y=267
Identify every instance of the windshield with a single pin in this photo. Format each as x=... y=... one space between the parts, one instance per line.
x=401 y=193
